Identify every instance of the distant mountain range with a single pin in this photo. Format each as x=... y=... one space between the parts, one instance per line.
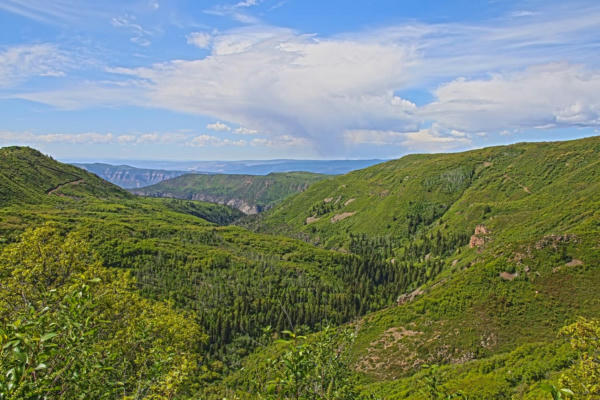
x=251 y=167
x=129 y=177
x=136 y=174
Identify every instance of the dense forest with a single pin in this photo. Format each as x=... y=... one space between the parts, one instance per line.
x=468 y=275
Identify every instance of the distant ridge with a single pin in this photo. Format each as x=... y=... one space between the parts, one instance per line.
x=250 y=167
x=250 y=194
x=129 y=177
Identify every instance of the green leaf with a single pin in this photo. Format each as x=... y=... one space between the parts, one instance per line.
x=41 y=366
x=48 y=336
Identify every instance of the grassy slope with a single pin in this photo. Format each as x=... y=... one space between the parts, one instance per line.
x=256 y=191
x=540 y=203
x=27 y=176
x=496 y=338
x=173 y=253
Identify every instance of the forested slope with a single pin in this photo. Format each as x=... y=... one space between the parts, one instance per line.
x=506 y=241
x=234 y=281
x=249 y=193
x=403 y=197
x=454 y=274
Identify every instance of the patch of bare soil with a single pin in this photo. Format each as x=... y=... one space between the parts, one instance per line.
x=310 y=220
x=328 y=200
x=507 y=276
x=348 y=202
x=341 y=216
x=408 y=297
x=574 y=263
x=372 y=362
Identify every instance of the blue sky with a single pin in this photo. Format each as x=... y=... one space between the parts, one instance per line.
x=262 y=79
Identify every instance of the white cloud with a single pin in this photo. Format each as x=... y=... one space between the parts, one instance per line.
x=245 y=131
x=485 y=79
x=8 y=137
x=199 y=39
x=124 y=139
x=283 y=141
x=247 y=3
x=523 y=13
x=140 y=36
x=543 y=96
x=207 y=140
x=19 y=63
x=219 y=127
x=431 y=139
x=54 y=12
x=282 y=83
x=28 y=138
x=371 y=136
x=427 y=139
x=237 y=11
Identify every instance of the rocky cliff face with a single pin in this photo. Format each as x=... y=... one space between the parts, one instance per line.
x=129 y=177
x=250 y=194
x=242 y=205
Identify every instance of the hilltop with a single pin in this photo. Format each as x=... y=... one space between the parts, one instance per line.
x=31 y=177
x=250 y=194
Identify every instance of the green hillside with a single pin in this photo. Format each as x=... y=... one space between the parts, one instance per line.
x=248 y=193
x=403 y=197
x=436 y=276
x=234 y=282
x=508 y=238
x=29 y=176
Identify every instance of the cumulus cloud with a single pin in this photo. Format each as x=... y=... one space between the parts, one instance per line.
x=433 y=138
x=345 y=90
x=199 y=39
x=29 y=138
x=245 y=131
x=542 y=96
x=138 y=139
x=207 y=140
x=76 y=138
x=247 y=3
x=219 y=127
x=284 y=83
x=19 y=63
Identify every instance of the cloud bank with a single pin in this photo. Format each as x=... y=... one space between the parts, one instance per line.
x=531 y=70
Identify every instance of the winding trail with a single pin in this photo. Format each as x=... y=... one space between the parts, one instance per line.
x=525 y=188
x=53 y=190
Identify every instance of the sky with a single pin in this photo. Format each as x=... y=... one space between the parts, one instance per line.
x=303 y=79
